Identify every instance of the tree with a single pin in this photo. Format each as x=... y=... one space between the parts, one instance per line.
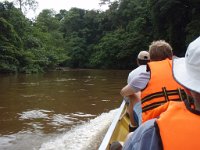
x=93 y=39
x=47 y=21
x=9 y=47
x=170 y=18
x=73 y=21
x=104 y=2
x=26 y=5
x=61 y=14
x=76 y=50
x=192 y=28
x=47 y=31
x=107 y=51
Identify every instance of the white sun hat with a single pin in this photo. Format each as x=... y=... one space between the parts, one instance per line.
x=186 y=70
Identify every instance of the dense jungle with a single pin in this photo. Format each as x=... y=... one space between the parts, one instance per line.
x=79 y=38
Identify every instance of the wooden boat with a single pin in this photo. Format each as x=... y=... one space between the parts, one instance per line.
x=118 y=129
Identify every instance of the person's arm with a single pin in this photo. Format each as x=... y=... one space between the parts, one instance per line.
x=132 y=90
x=127 y=91
x=136 y=85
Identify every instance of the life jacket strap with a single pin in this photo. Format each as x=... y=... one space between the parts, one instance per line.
x=165 y=95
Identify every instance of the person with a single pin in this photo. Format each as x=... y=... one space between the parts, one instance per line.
x=179 y=126
x=134 y=107
x=155 y=82
x=142 y=60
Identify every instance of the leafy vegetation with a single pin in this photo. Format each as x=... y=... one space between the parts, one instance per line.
x=81 y=38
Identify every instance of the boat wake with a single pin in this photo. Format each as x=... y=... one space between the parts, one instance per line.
x=83 y=137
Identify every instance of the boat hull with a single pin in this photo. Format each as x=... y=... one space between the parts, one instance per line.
x=118 y=129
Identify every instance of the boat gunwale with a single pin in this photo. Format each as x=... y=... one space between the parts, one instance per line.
x=112 y=127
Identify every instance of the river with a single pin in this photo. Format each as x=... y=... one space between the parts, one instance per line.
x=58 y=110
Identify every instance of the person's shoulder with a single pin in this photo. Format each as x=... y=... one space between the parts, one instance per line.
x=138 y=70
x=143 y=137
x=145 y=127
x=142 y=67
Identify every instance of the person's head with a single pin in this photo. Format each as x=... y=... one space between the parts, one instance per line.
x=116 y=146
x=143 y=58
x=186 y=71
x=160 y=50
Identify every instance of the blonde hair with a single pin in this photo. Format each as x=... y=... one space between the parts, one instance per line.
x=160 y=50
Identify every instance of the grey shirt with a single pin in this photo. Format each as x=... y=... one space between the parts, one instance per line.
x=146 y=137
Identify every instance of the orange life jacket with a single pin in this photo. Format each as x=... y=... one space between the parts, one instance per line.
x=152 y=96
x=179 y=128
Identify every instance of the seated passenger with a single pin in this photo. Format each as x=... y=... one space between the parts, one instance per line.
x=178 y=128
x=154 y=83
x=134 y=107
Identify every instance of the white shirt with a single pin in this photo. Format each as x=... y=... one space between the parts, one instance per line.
x=140 y=69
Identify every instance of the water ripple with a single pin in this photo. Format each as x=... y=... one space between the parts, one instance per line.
x=80 y=114
x=33 y=114
x=59 y=119
x=82 y=137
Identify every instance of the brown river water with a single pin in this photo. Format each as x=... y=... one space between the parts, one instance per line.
x=58 y=110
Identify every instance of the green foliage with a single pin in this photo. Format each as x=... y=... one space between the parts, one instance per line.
x=192 y=28
x=46 y=21
x=9 y=47
x=114 y=51
x=170 y=18
x=76 y=51
x=73 y=21
x=81 y=38
x=14 y=16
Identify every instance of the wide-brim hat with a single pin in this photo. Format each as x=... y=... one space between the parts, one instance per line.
x=186 y=71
